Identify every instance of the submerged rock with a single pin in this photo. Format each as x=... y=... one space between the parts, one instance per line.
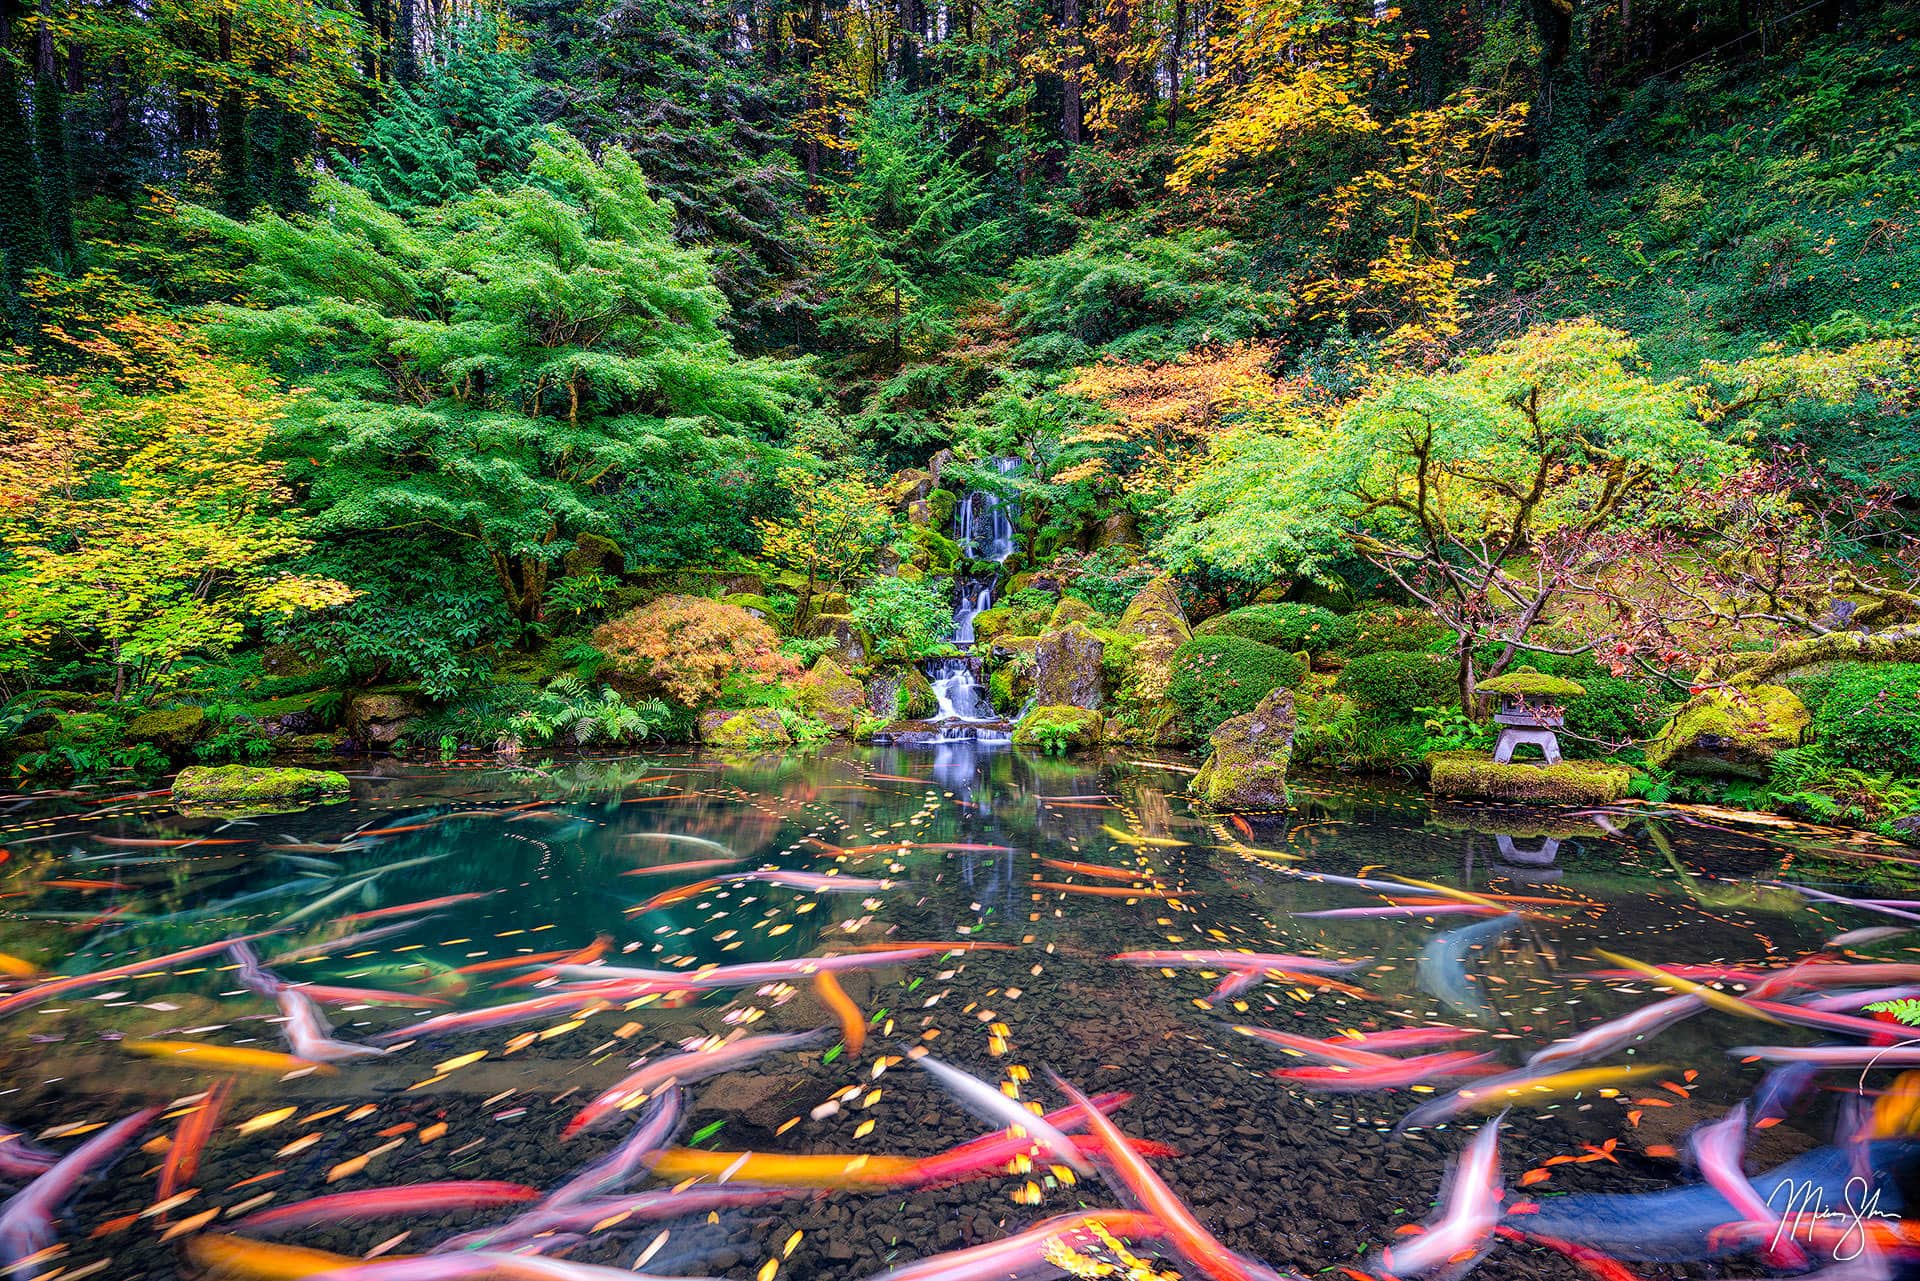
x=1248 y=768
x=1468 y=775
x=252 y=786
x=1066 y=668
x=1731 y=731
x=743 y=727
x=1059 y=728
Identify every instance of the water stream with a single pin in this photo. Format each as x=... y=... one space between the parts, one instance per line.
x=983 y=527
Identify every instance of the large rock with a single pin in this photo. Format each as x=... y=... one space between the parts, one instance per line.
x=1248 y=768
x=592 y=553
x=743 y=727
x=1731 y=731
x=251 y=786
x=172 y=730
x=849 y=642
x=377 y=718
x=1467 y=775
x=1059 y=729
x=831 y=697
x=1156 y=619
x=1118 y=530
x=1066 y=668
x=901 y=693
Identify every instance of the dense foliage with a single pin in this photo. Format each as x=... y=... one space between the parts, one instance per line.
x=1216 y=678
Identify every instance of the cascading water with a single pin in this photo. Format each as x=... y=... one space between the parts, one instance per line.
x=983 y=526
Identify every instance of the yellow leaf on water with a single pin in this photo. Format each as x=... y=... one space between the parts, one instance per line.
x=265 y=1121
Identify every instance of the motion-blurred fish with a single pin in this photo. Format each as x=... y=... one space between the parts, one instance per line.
x=634 y=1155
x=21 y=1158
x=190 y=1139
x=1393 y=1073
x=722 y=853
x=1425 y=909
x=1032 y=1253
x=308 y=1034
x=989 y=1104
x=1527 y=1088
x=229 y=1057
x=378 y=1203
x=424 y=905
x=816 y=882
x=1442 y=967
x=1204 y=960
x=27 y=1221
x=1182 y=1230
x=1598 y=1042
x=1100 y=891
x=1833 y=1056
x=52 y=987
x=494 y=1016
x=681 y=869
x=1726 y=1002
x=1136 y=838
x=753 y=973
x=1099 y=869
x=232 y=1258
x=1718 y=1149
x=1347 y=1055
x=1473 y=1197
x=853 y=1023
x=598 y=1213
x=695 y=1065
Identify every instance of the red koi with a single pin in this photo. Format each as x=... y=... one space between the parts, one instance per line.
x=424 y=905
x=586 y=955
x=1097 y=869
x=190 y=1138
x=71 y=982
x=374 y=1203
x=1099 y=891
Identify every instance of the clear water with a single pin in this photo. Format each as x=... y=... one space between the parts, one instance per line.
x=527 y=862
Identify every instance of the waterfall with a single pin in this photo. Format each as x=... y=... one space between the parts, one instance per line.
x=983 y=527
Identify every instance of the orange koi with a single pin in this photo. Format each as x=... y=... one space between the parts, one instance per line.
x=837 y=1170
x=585 y=956
x=1100 y=891
x=853 y=1024
x=236 y=1058
x=1097 y=869
x=424 y=905
x=674 y=895
x=190 y=1139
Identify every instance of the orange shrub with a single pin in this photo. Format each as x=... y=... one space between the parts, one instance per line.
x=684 y=646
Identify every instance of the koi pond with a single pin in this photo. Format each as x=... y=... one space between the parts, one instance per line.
x=945 y=1014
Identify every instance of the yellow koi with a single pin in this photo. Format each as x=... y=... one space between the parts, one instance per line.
x=1722 y=1001
x=831 y=1171
x=223 y=1256
x=231 y=1057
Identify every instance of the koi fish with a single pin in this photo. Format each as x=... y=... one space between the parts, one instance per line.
x=591 y=952
x=22 y=1159
x=427 y=974
x=190 y=1139
x=1825 y=1020
x=1703 y=973
x=1391 y=1074
x=15 y=968
x=309 y=1036
x=1098 y=869
x=1240 y=961
x=1134 y=838
x=424 y=905
x=1871 y=934
x=1719 y=1000
x=670 y=869
x=816 y=882
x=694 y=1065
x=377 y=1203
x=495 y=1016
x=1329 y=1051
x=328 y=994
x=1833 y=1056
x=516 y=962
x=347 y=941
x=1100 y=891
x=722 y=853
x=853 y=1024
x=1182 y=1230
x=1442 y=967
x=1603 y=1040
x=222 y=1255
x=1401 y=1038
x=754 y=973
x=236 y=1058
x=634 y=1154
x=1815 y=974
x=1029 y=1253
x=27 y=1224
x=667 y=898
x=1718 y=1149
x=836 y=1170
x=587 y=1215
x=988 y=1103
x=1473 y=1199
x=17 y=1001
x=1427 y=909
x=1527 y=1088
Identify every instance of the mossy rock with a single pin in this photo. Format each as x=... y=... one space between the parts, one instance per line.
x=743 y=727
x=1066 y=668
x=831 y=697
x=1075 y=727
x=1731 y=731
x=173 y=730
x=288 y=662
x=989 y=623
x=850 y=644
x=1009 y=686
x=1473 y=776
x=307 y=744
x=1071 y=609
x=1248 y=767
x=1526 y=682
x=759 y=606
x=942 y=502
x=590 y=553
x=1155 y=619
x=296 y=714
x=1006 y=647
x=933 y=552
x=381 y=717
x=254 y=786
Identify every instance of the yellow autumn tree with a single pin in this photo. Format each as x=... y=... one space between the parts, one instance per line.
x=140 y=519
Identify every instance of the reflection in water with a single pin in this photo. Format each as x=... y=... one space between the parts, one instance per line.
x=496 y=966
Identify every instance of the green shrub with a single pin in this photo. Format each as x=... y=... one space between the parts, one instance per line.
x=1869 y=717
x=1110 y=578
x=1287 y=625
x=1385 y=629
x=1614 y=711
x=1394 y=684
x=905 y=620
x=1216 y=678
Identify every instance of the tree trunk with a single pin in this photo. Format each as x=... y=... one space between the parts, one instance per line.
x=50 y=140
x=234 y=184
x=1072 y=114
x=23 y=237
x=1563 y=124
x=406 y=67
x=1894 y=645
x=1177 y=55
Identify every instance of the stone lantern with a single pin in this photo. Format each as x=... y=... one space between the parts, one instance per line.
x=1529 y=711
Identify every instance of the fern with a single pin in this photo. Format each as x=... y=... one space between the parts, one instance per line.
x=1906 y=1009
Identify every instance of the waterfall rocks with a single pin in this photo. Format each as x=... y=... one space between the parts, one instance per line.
x=1248 y=768
x=831 y=697
x=849 y=642
x=1066 y=668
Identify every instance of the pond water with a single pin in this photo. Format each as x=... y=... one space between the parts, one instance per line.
x=976 y=900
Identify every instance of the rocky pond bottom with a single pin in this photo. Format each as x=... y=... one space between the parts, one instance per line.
x=774 y=1018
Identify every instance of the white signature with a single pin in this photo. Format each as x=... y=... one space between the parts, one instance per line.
x=1806 y=1209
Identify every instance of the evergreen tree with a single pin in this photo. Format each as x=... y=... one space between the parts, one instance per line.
x=672 y=84
x=492 y=369
x=909 y=239
x=467 y=122
x=23 y=237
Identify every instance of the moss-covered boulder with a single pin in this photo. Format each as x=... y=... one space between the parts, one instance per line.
x=901 y=693
x=322 y=744
x=1010 y=685
x=288 y=661
x=295 y=714
x=1731 y=731
x=850 y=645
x=909 y=486
x=252 y=786
x=1070 y=609
x=381 y=718
x=933 y=552
x=1066 y=668
x=173 y=730
x=1248 y=768
x=743 y=727
x=591 y=554
x=1468 y=775
x=1155 y=619
x=1118 y=530
x=759 y=606
x=831 y=697
x=1059 y=729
